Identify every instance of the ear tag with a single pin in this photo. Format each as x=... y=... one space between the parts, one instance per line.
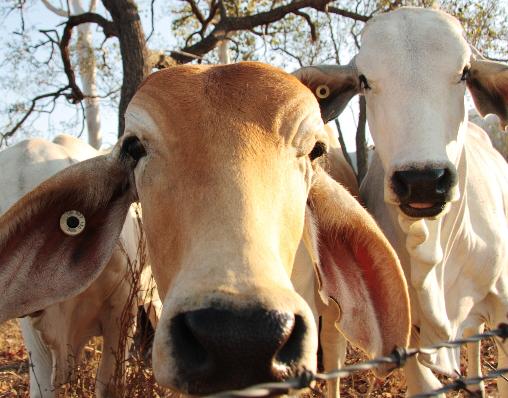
x=322 y=91
x=72 y=222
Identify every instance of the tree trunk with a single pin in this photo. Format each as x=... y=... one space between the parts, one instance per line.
x=87 y=74
x=361 y=143
x=343 y=145
x=132 y=49
x=224 y=57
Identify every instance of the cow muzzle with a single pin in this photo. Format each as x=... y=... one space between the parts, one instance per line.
x=424 y=192
x=226 y=339
x=220 y=349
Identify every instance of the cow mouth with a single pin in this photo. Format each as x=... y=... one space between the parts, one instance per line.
x=422 y=209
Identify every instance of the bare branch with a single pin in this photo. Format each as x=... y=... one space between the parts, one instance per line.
x=231 y=24
x=343 y=144
x=19 y=6
x=54 y=95
x=107 y=26
x=348 y=14
x=361 y=143
x=73 y=21
x=355 y=37
x=55 y=10
x=312 y=27
x=151 y=20
x=335 y=47
x=196 y=11
x=93 y=4
x=223 y=13
x=295 y=57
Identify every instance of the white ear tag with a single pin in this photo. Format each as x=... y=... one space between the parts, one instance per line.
x=322 y=91
x=72 y=222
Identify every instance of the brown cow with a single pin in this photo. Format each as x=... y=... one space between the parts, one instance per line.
x=223 y=160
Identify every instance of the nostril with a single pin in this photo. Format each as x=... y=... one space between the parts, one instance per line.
x=292 y=349
x=444 y=181
x=190 y=349
x=401 y=186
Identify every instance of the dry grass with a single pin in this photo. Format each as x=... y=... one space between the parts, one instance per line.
x=140 y=382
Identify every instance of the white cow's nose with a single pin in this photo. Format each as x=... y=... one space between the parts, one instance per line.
x=219 y=349
x=423 y=192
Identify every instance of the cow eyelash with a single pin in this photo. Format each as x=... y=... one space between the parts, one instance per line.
x=465 y=74
x=364 y=83
x=318 y=151
x=133 y=147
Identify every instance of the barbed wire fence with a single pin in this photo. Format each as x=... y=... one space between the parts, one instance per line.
x=397 y=358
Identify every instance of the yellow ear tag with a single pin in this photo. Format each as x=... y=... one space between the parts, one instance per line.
x=322 y=91
x=72 y=222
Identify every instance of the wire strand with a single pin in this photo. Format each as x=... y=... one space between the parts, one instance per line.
x=398 y=358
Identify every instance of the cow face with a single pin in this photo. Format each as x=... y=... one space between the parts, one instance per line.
x=234 y=183
x=413 y=68
x=224 y=163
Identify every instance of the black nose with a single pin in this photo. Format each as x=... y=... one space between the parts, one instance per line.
x=427 y=185
x=424 y=192
x=218 y=349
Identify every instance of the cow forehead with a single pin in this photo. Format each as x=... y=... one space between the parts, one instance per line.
x=412 y=40
x=213 y=99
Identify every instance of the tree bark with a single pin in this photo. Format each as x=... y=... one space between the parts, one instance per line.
x=224 y=57
x=132 y=49
x=361 y=142
x=88 y=77
x=343 y=145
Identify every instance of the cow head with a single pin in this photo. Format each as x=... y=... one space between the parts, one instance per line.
x=224 y=163
x=413 y=68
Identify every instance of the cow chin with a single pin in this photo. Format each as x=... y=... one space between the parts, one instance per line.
x=233 y=341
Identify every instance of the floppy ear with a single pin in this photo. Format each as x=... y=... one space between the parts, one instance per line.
x=359 y=270
x=488 y=84
x=40 y=264
x=333 y=86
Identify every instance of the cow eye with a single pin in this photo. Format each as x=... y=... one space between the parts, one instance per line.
x=465 y=74
x=318 y=150
x=364 y=83
x=133 y=147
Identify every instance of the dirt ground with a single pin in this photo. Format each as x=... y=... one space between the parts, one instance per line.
x=140 y=382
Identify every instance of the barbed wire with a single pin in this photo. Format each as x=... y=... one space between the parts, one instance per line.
x=398 y=358
x=462 y=383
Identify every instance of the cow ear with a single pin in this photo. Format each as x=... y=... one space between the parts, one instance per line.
x=333 y=86
x=359 y=270
x=57 y=238
x=488 y=84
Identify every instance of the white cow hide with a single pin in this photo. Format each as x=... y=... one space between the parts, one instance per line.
x=436 y=186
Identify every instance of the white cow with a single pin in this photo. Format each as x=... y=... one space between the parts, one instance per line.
x=55 y=336
x=223 y=160
x=436 y=186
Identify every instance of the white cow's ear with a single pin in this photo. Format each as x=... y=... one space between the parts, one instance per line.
x=57 y=239
x=359 y=270
x=488 y=84
x=333 y=86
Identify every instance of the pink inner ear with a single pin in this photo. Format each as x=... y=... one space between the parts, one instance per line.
x=380 y=297
x=349 y=281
